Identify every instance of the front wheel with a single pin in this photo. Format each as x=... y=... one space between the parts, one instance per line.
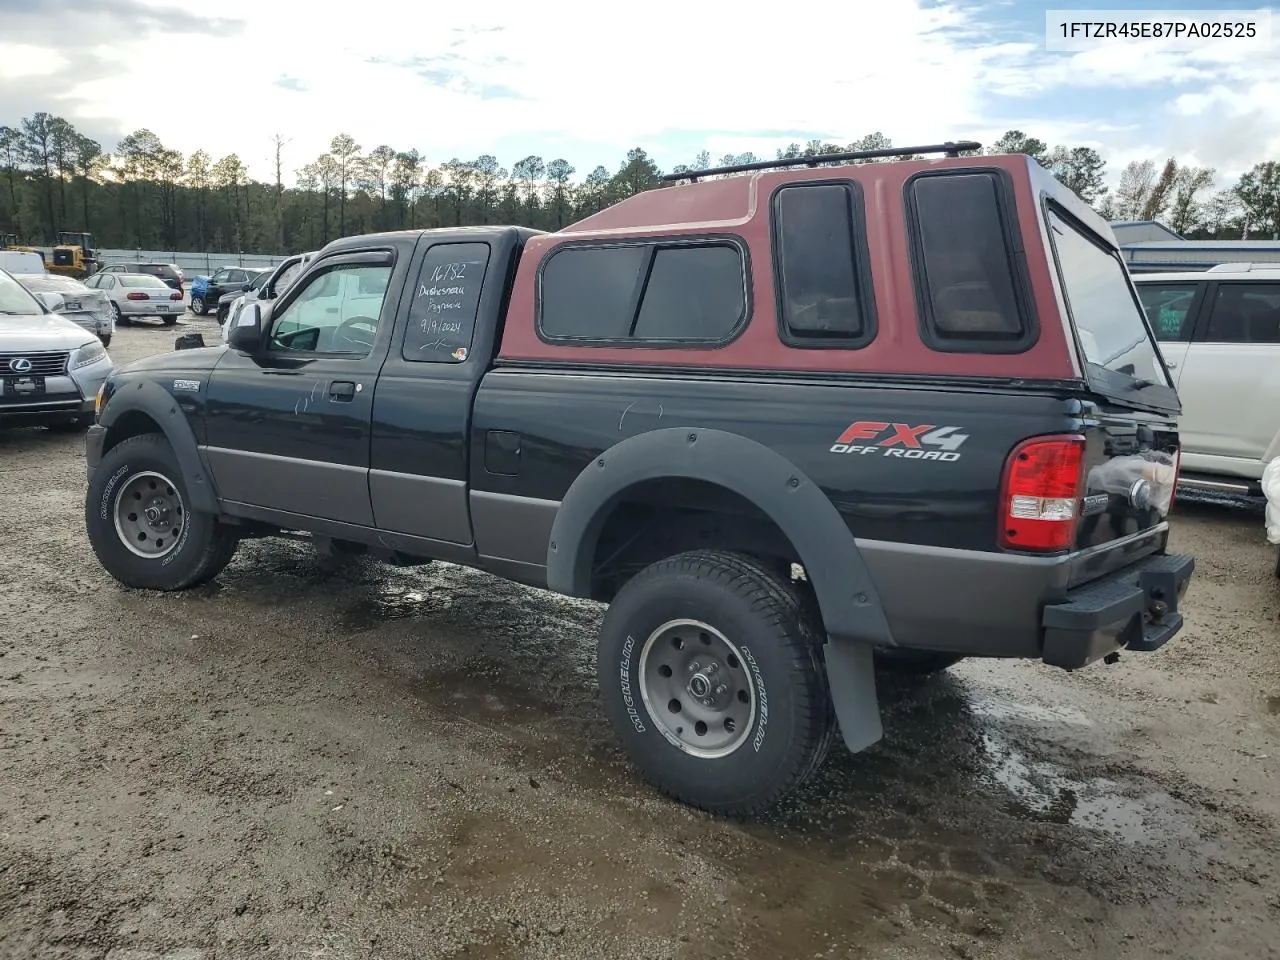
x=105 y=338
x=140 y=524
x=711 y=675
x=169 y=319
x=197 y=306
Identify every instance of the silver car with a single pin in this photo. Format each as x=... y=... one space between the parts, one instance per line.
x=50 y=368
x=91 y=309
x=135 y=295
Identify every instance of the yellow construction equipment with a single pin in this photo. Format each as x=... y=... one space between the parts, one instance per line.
x=73 y=256
x=9 y=241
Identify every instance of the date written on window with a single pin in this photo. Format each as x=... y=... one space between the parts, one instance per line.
x=1077 y=30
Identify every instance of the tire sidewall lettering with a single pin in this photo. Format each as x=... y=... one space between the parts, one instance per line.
x=762 y=699
x=182 y=541
x=104 y=508
x=625 y=680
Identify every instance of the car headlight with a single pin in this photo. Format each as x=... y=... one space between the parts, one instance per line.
x=91 y=352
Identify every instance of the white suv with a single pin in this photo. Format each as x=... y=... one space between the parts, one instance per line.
x=1219 y=330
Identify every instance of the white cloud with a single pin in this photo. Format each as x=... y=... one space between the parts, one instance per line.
x=455 y=80
x=26 y=60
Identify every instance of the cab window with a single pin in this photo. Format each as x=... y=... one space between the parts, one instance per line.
x=336 y=312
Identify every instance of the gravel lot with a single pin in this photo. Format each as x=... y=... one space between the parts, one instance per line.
x=337 y=760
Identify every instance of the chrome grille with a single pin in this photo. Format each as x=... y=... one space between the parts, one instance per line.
x=44 y=363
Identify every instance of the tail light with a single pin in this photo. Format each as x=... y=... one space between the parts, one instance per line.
x=1040 y=493
x=175 y=296
x=136 y=296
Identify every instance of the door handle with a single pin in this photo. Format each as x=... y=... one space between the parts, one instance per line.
x=1171 y=364
x=342 y=390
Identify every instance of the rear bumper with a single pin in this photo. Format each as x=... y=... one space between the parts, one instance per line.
x=1133 y=609
x=138 y=308
x=1067 y=610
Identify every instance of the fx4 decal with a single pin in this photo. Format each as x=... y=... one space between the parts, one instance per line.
x=913 y=442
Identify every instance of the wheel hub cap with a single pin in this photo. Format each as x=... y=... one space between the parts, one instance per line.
x=149 y=515
x=695 y=685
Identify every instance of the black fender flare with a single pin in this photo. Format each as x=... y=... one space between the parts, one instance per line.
x=846 y=593
x=148 y=397
x=847 y=597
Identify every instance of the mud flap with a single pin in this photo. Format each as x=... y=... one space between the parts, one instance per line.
x=852 y=679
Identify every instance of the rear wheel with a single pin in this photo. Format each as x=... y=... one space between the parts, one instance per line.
x=222 y=314
x=711 y=675
x=121 y=320
x=197 y=306
x=140 y=524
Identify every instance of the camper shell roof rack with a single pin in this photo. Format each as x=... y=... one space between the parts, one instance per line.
x=949 y=148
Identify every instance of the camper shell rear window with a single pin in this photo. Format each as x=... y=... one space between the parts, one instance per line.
x=1117 y=348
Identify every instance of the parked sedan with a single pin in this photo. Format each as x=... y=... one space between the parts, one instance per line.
x=135 y=295
x=170 y=273
x=206 y=291
x=91 y=309
x=50 y=368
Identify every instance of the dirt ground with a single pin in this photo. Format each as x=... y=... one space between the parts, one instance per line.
x=317 y=759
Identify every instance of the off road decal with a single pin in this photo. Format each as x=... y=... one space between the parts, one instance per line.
x=763 y=698
x=923 y=441
x=192 y=386
x=625 y=676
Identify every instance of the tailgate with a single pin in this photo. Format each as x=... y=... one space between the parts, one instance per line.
x=1130 y=468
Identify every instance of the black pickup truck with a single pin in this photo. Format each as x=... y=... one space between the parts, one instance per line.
x=790 y=422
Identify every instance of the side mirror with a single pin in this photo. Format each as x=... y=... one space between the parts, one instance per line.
x=244 y=286
x=246 y=334
x=53 y=302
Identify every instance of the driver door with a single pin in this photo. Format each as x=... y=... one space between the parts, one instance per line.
x=288 y=426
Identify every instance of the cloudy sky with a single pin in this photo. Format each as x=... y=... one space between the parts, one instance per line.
x=587 y=81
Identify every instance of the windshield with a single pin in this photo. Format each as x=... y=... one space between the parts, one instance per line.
x=15 y=300
x=159 y=270
x=140 y=280
x=1109 y=321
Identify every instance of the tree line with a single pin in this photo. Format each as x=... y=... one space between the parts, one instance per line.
x=144 y=195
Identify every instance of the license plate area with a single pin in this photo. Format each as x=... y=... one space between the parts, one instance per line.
x=22 y=387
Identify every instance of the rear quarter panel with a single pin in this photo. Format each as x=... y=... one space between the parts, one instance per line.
x=882 y=481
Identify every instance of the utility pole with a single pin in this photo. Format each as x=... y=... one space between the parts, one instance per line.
x=279 y=141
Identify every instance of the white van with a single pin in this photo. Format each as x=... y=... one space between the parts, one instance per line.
x=21 y=262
